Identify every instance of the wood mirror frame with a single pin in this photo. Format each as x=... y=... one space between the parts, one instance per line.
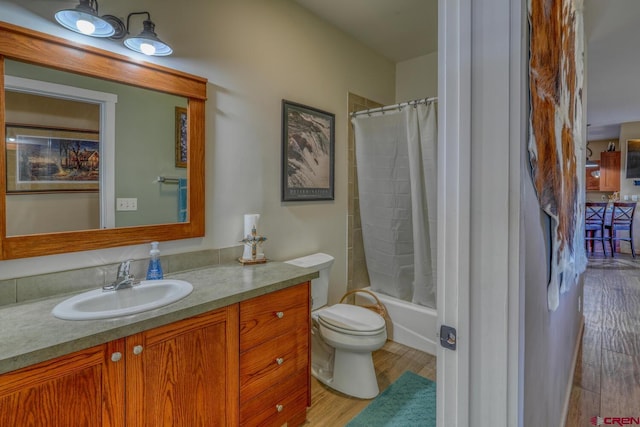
x=45 y=50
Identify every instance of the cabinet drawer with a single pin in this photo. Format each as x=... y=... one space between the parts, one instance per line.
x=273 y=362
x=278 y=404
x=269 y=316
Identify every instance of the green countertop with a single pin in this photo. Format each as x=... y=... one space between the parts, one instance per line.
x=31 y=334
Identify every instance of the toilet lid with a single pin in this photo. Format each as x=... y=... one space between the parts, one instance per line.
x=352 y=318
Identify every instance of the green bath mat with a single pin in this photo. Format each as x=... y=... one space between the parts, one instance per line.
x=409 y=401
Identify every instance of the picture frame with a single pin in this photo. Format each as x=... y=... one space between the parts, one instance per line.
x=181 y=137
x=633 y=158
x=308 y=153
x=43 y=160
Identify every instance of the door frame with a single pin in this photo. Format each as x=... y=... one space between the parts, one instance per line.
x=482 y=130
x=454 y=206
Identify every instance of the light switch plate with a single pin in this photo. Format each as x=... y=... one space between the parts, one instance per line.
x=126 y=204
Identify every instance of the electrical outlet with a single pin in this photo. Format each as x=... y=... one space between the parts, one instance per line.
x=126 y=204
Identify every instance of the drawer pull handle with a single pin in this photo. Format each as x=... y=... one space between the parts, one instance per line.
x=115 y=357
x=280 y=314
x=137 y=349
x=279 y=360
x=279 y=408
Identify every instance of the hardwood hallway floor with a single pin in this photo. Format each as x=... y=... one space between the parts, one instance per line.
x=333 y=409
x=607 y=377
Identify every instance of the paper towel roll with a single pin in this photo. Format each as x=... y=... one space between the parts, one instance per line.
x=250 y=221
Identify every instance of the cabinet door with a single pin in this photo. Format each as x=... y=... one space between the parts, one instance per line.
x=186 y=373
x=592 y=182
x=84 y=389
x=610 y=171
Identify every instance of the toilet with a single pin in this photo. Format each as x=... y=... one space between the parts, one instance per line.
x=342 y=336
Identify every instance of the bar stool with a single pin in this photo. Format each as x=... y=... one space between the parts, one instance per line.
x=621 y=220
x=594 y=225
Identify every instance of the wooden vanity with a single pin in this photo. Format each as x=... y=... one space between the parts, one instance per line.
x=246 y=363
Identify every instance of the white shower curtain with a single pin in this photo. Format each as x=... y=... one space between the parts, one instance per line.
x=396 y=154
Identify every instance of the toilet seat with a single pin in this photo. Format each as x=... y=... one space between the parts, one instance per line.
x=351 y=320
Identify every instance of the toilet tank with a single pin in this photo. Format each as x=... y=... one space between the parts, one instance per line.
x=320 y=286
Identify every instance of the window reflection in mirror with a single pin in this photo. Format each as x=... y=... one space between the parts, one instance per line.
x=144 y=139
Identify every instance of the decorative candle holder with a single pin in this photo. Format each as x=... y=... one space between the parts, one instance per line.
x=253 y=241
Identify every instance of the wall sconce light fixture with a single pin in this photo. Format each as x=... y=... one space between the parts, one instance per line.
x=147 y=41
x=84 y=19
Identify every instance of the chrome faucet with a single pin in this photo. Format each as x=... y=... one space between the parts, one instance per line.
x=124 y=279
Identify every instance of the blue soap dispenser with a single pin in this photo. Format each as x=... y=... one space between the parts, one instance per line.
x=154 y=272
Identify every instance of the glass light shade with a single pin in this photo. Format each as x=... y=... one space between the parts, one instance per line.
x=84 y=20
x=148 y=43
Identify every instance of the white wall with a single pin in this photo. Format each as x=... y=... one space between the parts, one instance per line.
x=628 y=131
x=550 y=337
x=417 y=78
x=254 y=54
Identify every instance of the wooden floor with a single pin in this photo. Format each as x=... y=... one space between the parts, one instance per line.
x=333 y=409
x=607 y=377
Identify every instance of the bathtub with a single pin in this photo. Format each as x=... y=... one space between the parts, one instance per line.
x=410 y=324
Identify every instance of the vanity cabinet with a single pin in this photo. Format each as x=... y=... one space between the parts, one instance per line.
x=181 y=374
x=81 y=389
x=275 y=358
x=184 y=373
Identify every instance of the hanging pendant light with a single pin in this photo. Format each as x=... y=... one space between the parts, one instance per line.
x=84 y=19
x=590 y=163
x=147 y=42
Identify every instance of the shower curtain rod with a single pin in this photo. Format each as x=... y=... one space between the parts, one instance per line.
x=399 y=106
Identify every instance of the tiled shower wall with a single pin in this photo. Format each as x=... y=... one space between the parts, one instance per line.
x=357 y=275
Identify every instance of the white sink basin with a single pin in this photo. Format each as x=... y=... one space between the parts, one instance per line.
x=99 y=304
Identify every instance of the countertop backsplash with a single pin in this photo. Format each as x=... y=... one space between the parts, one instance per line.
x=28 y=288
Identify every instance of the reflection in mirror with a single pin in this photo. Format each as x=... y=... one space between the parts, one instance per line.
x=143 y=134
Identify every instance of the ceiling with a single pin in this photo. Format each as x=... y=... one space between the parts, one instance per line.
x=405 y=29
x=613 y=66
x=397 y=29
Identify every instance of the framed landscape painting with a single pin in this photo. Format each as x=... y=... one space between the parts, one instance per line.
x=308 y=153
x=45 y=160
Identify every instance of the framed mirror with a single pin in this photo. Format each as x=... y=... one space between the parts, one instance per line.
x=95 y=162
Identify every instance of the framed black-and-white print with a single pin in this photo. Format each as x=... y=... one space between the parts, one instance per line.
x=308 y=153
x=181 y=137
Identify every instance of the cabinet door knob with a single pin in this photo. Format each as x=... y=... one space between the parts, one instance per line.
x=279 y=360
x=137 y=349
x=279 y=408
x=280 y=314
x=116 y=356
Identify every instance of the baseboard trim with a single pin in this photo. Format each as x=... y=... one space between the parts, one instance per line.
x=567 y=397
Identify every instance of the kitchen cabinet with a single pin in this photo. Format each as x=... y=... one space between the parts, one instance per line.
x=610 y=170
x=181 y=374
x=275 y=358
x=592 y=182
